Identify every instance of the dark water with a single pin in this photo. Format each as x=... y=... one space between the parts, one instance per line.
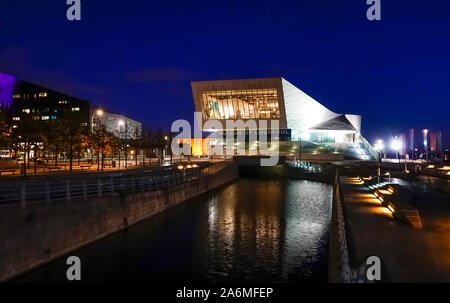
x=251 y=230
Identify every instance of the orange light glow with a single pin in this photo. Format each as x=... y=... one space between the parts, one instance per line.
x=385 y=192
x=180 y=166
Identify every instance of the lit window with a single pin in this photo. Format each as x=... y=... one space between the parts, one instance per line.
x=26 y=110
x=62 y=102
x=44 y=94
x=35 y=117
x=16 y=118
x=240 y=104
x=84 y=124
x=75 y=109
x=16 y=96
x=45 y=117
x=53 y=117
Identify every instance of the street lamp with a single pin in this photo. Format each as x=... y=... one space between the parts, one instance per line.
x=425 y=142
x=396 y=145
x=379 y=146
x=99 y=113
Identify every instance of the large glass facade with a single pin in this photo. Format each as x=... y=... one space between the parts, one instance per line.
x=241 y=104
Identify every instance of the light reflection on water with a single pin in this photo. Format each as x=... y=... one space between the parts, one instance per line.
x=263 y=230
x=251 y=230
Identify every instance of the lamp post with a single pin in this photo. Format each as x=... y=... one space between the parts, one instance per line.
x=396 y=146
x=98 y=113
x=119 y=124
x=379 y=148
x=125 y=129
x=425 y=142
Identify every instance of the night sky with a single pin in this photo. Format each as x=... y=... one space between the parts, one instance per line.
x=138 y=57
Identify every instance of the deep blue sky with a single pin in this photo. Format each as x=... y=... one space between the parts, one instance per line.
x=138 y=57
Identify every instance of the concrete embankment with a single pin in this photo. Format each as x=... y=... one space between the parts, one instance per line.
x=40 y=233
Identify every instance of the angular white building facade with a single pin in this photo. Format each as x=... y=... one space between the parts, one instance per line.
x=273 y=99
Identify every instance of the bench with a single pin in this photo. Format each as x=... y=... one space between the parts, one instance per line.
x=85 y=166
x=54 y=168
x=13 y=171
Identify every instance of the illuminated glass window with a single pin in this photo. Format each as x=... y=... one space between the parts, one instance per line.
x=62 y=102
x=26 y=110
x=240 y=104
x=44 y=94
x=75 y=109
x=16 y=118
x=45 y=117
x=35 y=117
x=53 y=117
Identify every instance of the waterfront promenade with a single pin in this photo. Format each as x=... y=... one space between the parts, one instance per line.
x=408 y=254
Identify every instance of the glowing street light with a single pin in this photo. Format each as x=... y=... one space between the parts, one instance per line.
x=379 y=146
x=396 y=145
x=99 y=113
x=425 y=142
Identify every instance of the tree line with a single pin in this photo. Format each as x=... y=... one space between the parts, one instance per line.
x=68 y=137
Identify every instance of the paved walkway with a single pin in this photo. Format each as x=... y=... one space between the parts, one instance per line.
x=408 y=254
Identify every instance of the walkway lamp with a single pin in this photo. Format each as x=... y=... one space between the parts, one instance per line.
x=396 y=145
x=98 y=113
x=425 y=142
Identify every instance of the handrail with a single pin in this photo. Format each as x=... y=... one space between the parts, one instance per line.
x=23 y=192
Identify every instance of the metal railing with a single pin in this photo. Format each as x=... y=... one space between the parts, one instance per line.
x=26 y=191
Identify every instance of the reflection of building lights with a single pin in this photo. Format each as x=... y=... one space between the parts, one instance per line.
x=445 y=168
x=430 y=166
